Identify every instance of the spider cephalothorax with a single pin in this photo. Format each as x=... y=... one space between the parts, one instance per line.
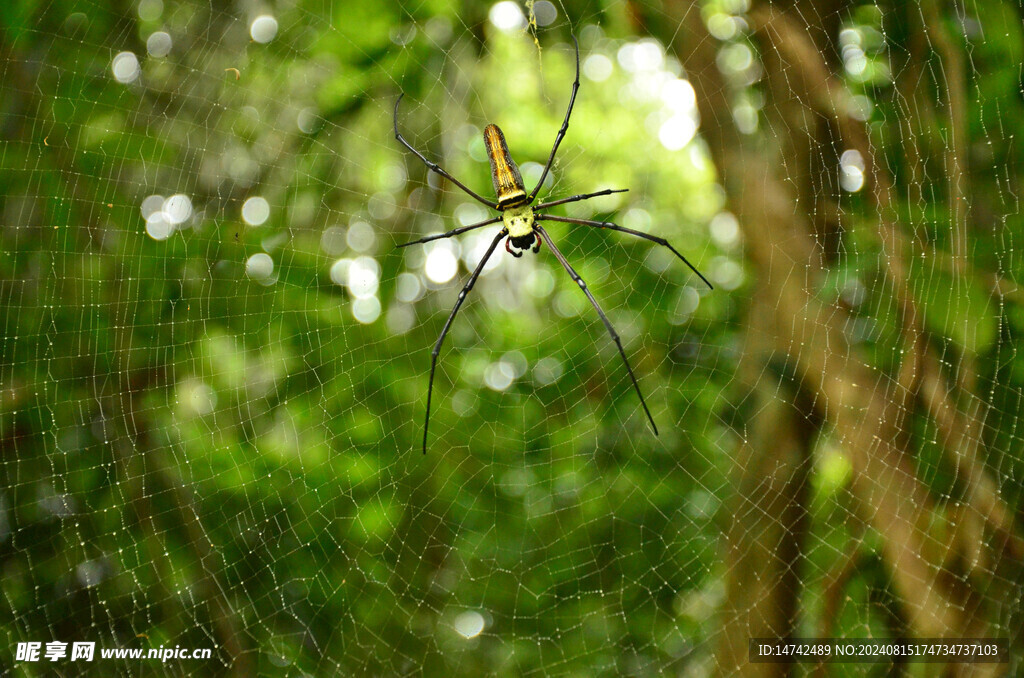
x=521 y=227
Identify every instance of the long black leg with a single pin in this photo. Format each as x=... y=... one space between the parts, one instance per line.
x=454 y=231
x=611 y=330
x=565 y=125
x=614 y=227
x=437 y=347
x=577 y=198
x=433 y=166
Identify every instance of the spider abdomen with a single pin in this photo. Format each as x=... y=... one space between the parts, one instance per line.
x=508 y=183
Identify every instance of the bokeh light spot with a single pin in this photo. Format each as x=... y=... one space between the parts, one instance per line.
x=255 y=211
x=263 y=28
x=125 y=67
x=259 y=266
x=506 y=16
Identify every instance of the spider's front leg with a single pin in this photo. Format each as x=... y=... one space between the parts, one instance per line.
x=508 y=248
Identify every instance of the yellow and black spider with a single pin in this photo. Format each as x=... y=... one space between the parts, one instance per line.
x=521 y=223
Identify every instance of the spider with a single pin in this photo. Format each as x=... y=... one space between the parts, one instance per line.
x=520 y=220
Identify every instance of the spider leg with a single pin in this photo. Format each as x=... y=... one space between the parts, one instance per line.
x=433 y=166
x=614 y=227
x=454 y=231
x=565 y=125
x=577 y=198
x=611 y=330
x=508 y=248
x=440 y=340
x=536 y=248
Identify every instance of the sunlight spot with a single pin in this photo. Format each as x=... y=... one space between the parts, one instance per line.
x=517 y=363
x=197 y=397
x=467 y=213
x=498 y=376
x=465 y=402
x=339 y=271
x=686 y=304
x=361 y=237
x=158 y=227
x=469 y=624
x=531 y=175
x=851 y=171
x=547 y=371
x=151 y=205
x=679 y=95
x=727 y=273
x=400 y=318
x=474 y=146
x=627 y=56
x=725 y=229
x=366 y=310
x=544 y=12
x=177 y=208
x=259 y=267
x=408 y=287
x=722 y=26
x=272 y=242
x=649 y=55
x=677 y=131
x=381 y=205
x=159 y=44
x=644 y=55
x=856 y=63
x=363 y=277
x=403 y=35
x=307 y=120
x=506 y=16
x=597 y=67
x=476 y=248
x=854 y=292
x=441 y=265
x=391 y=176
x=540 y=282
x=150 y=10
x=849 y=37
x=746 y=118
x=637 y=218
x=332 y=240
x=263 y=28
x=89 y=573
x=255 y=211
x=860 y=107
x=568 y=305
x=735 y=58
x=125 y=67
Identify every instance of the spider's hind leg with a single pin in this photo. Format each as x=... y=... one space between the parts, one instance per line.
x=536 y=247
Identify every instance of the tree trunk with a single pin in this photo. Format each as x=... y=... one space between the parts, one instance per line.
x=770 y=181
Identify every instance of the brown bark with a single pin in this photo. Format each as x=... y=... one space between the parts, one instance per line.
x=866 y=410
x=814 y=87
x=765 y=538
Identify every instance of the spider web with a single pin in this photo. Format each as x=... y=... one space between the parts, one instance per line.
x=215 y=363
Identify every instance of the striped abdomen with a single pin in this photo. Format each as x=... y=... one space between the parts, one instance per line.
x=508 y=183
